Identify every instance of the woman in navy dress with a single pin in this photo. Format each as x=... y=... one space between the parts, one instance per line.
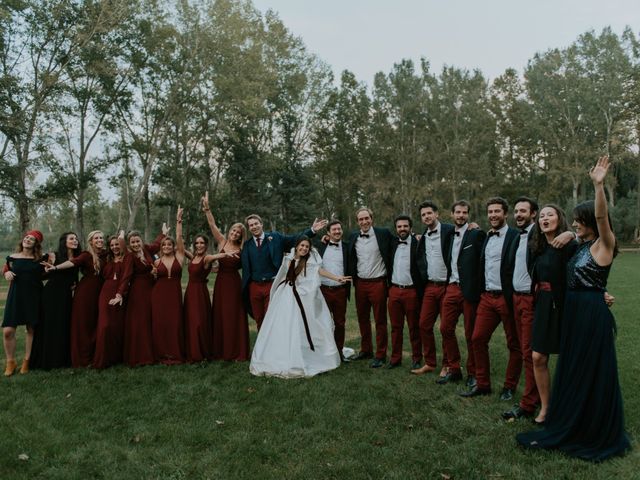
x=51 y=348
x=24 y=272
x=585 y=417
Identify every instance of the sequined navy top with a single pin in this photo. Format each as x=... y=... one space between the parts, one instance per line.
x=584 y=272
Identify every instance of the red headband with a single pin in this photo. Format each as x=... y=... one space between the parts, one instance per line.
x=37 y=234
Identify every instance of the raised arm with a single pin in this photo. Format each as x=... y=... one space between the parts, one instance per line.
x=604 y=251
x=179 y=239
x=215 y=231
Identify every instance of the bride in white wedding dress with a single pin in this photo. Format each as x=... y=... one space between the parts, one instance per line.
x=296 y=336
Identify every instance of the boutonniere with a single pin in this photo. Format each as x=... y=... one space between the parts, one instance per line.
x=269 y=238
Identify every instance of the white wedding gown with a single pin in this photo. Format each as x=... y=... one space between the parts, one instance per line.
x=282 y=348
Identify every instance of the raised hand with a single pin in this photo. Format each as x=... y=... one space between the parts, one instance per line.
x=319 y=224
x=179 y=213
x=599 y=171
x=165 y=229
x=205 y=202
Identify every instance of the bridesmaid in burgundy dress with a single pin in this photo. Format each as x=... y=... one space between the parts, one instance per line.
x=136 y=284
x=84 y=311
x=230 y=322
x=110 y=330
x=167 y=330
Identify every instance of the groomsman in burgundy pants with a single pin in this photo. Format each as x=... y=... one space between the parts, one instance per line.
x=432 y=250
x=525 y=212
x=496 y=303
x=335 y=254
x=405 y=293
x=369 y=265
x=463 y=292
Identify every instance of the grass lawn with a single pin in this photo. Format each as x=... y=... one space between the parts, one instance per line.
x=215 y=420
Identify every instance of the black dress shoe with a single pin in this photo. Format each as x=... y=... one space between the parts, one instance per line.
x=506 y=395
x=363 y=356
x=471 y=381
x=390 y=365
x=416 y=365
x=475 y=392
x=516 y=412
x=377 y=362
x=449 y=377
x=345 y=360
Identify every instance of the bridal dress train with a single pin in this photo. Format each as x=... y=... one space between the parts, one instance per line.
x=296 y=337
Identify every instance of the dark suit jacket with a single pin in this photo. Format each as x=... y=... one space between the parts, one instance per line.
x=322 y=247
x=506 y=267
x=446 y=237
x=384 y=238
x=277 y=244
x=413 y=263
x=469 y=263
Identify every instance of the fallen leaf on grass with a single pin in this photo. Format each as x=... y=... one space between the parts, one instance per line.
x=445 y=476
x=219 y=422
x=23 y=456
x=68 y=395
x=136 y=439
x=251 y=390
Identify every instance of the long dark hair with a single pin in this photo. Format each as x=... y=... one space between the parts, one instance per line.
x=538 y=238
x=302 y=263
x=585 y=213
x=62 y=254
x=205 y=239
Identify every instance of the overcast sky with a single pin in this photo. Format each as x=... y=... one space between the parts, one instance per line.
x=368 y=36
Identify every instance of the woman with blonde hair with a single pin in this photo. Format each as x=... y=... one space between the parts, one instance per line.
x=24 y=272
x=230 y=321
x=84 y=311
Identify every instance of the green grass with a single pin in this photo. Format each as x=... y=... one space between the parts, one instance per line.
x=217 y=421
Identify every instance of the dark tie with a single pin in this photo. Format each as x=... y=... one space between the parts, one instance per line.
x=364 y=235
x=334 y=244
x=492 y=233
x=524 y=231
x=457 y=234
x=402 y=242
x=259 y=240
x=431 y=232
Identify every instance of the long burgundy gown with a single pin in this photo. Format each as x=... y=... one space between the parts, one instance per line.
x=84 y=310
x=230 y=323
x=166 y=314
x=110 y=330
x=197 y=314
x=136 y=285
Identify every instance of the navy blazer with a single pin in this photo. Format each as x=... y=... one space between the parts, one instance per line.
x=446 y=237
x=413 y=263
x=384 y=238
x=506 y=267
x=277 y=243
x=322 y=247
x=468 y=263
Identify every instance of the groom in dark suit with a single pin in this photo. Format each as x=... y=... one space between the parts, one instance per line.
x=261 y=258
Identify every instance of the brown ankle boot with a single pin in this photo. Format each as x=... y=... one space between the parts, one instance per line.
x=10 y=368
x=25 y=366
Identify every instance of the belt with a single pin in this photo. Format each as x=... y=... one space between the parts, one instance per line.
x=371 y=280
x=439 y=284
x=263 y=281
x=335 y=287
x=402 y=286
x=527 y=294
x=495 y=293
x=544 y=286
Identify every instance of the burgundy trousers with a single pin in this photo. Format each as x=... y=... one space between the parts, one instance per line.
x=493 y=310
x=523 y=310
x=453 y=305
x=372 y=295
x=336 y=299
x=404 y=303
x=431 y=308
x=259 y=298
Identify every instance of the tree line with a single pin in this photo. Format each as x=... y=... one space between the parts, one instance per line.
x=114 y=112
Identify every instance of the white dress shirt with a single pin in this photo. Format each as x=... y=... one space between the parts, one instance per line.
x=455 y=253
x=333 y=262
x=401 y=274
x=493 y=259
x=436 y=268
x=370 y=262
x=521 y=278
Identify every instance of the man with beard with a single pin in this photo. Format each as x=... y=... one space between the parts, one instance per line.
x=405 y=293
x=463 y=292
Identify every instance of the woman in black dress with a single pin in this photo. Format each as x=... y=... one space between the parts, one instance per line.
x=585 y=417
x=24 y=271
x=51 y=336
x=549 y=281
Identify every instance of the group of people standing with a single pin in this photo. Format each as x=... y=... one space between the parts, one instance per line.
x=546 y=289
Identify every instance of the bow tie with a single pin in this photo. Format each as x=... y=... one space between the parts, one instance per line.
x=334 y=244
x=364 y=235
x=457 y=234
x=496 y=233
x=523 y=231
x=431 y=232
x=403 y=242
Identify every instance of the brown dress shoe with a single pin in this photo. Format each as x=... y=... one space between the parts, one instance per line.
x=25 y=366
x=422 y=370
x=10 y=368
